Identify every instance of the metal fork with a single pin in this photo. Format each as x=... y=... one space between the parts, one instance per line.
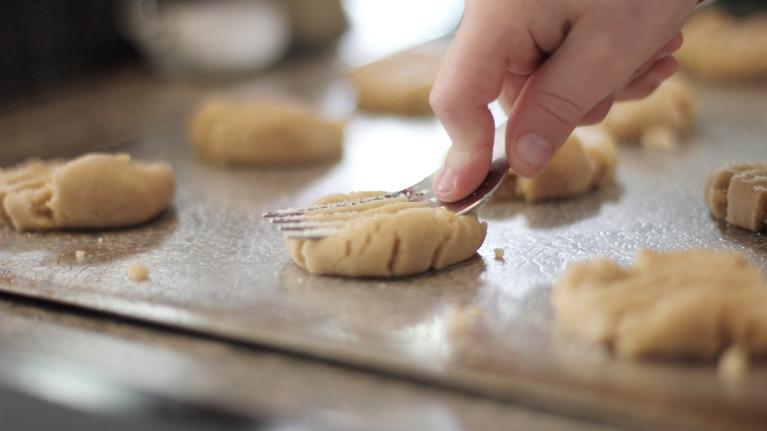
x=319 y=221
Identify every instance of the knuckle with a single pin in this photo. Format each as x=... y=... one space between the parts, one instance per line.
x=595 y=117
x=560 y=108
x=443 y=103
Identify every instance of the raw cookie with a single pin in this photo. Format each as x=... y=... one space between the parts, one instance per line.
x=720 y=46
x=91 y=191
x=657 y=121
x=138 y=272
x=399 y=84
x=396 y=239
x=738 y=195
x=263 y=133
x=693 y=303
x=586 y=161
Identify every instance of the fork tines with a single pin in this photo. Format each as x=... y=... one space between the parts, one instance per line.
x=288 y=212
x=323 y=220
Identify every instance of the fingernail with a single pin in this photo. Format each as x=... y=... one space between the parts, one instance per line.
x=533 y=150
x=445 y=182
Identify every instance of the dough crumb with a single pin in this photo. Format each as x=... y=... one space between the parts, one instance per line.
x=690 y=303
x=461 y=322
x=499 y=253
x=80 y=255
x=733 y=364
x=101 y=240
x=138 y=272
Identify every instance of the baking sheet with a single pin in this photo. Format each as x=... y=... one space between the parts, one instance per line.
x=218 y=268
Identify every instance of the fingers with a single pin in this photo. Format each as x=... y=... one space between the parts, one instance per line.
x=650 y=81
x=598 y=112
x=472 y=76
x=673 y=45
x=576 y=84
x=512 y=86
x=583 y=72
x=670 y=48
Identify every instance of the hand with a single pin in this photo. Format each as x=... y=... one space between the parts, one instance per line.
x=553 y=65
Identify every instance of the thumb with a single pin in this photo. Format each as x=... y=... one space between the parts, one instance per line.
x=580 y=74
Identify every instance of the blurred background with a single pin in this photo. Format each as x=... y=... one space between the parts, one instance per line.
x=50 y=42
x=64 y=62
x=87 y=75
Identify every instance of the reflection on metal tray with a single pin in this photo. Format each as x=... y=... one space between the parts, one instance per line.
x=218 y=268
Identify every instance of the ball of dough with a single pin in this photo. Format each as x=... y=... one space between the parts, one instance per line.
x=90 y=192
x=693 y=303
x=658 y=121
x=395 y=239
x=586 y=161
x=263 y=133
x=720 y=46
x=738 y=194
x=399 y=84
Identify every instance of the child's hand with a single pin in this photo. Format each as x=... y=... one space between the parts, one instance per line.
x=553 y=64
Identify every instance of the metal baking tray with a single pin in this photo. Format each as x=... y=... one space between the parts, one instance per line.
x=217 y=268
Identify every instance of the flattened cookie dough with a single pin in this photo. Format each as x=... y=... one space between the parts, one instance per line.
x=720 y=46
x=586 y=161
x=92 y=191
x=658 y=121
x=265 y=133
x=397 y=239
x=738 y=195
x=399 y=84
x=694 y=303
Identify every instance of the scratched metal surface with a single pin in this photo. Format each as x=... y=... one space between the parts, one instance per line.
x=87 y=355
x=217 y=268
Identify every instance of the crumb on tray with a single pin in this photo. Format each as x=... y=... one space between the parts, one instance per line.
x=80 y=255
x=138 y=272
x=499 y=253
x=733 y=364
x=463 y=321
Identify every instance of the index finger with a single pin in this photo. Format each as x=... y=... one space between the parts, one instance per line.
x=471 y=78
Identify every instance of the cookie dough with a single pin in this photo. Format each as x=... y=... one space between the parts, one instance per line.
x=586 y=161
x=720 y=46
x=138 y=272
x=733 y=365
x=693 y=303
x=395 y=239
x=399 y=84
x=263 y=133
x=658 y=121
x=738 y=195
x=90 y=192
x=499 y=254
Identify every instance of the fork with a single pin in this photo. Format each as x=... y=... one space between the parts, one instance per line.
x=319 y=221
